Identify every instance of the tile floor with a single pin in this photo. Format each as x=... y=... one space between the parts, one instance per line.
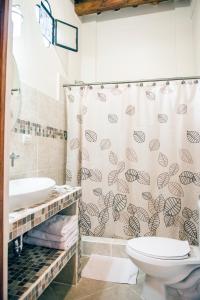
x=89 y=289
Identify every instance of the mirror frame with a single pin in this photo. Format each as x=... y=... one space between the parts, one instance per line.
x=4 y=19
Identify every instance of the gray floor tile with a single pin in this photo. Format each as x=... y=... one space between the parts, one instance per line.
x=89 y=289
x=117 y=292
x=49 y=294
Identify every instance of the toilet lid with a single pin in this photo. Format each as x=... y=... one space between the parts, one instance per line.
x=158 y=247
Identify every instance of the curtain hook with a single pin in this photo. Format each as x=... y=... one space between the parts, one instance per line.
x=196 y=81
x=167 y=82
x=141 y=84
x=129 y=85
x=102 y=86
x=154 y=84
x=116 y=86
x=183 y=82
x=90 y=87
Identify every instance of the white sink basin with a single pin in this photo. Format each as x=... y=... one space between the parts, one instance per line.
x=26 y=192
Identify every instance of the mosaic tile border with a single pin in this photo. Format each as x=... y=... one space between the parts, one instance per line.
x=26 y=286
x=24 y=220
x=27 y=127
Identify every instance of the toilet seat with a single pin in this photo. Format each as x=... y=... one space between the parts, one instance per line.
x=160 y=248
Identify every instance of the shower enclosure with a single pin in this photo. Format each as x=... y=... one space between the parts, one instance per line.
x=134 y=148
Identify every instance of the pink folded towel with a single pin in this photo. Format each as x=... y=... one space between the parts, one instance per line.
x=51 y=244
x=59 y=225
x=36 y=233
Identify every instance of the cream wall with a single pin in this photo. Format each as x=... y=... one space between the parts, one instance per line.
x=41 y=67
x=134 y=43
x=44 y=154
x=195 y=16
x=42 y=72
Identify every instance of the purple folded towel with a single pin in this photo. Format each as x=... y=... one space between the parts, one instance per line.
x=51 y=244
x=59 y=225
x=38 y=234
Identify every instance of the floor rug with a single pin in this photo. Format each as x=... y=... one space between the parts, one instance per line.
x=113 y=269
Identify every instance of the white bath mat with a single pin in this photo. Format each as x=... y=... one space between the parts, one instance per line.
x=108 y=268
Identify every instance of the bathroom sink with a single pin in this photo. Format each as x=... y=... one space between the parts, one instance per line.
x=26 y=192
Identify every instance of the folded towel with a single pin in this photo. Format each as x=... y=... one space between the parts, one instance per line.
x=51 y=244
x=35 y=233
x=59 y=225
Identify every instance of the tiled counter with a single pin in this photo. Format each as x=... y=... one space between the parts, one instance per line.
x=24 y=220
x=31 y=273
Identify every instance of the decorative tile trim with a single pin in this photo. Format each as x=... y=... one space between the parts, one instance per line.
x=27 y=127
x=31 y=273
x=24 y=220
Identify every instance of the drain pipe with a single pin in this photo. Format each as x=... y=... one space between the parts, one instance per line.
x=18 y=246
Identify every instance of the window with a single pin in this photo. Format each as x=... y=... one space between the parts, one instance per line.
x=46 y=21
x=66 y=35
x=55 y=31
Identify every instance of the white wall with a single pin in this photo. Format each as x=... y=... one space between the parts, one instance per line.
x=40 y=67
x=195 y=15
x=134 y=43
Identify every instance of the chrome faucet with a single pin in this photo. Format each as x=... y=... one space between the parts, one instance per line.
x=13 y=156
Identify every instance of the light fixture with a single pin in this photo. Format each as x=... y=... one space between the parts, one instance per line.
x=17 y=19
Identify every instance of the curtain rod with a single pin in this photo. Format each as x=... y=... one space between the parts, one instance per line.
x=135 y=81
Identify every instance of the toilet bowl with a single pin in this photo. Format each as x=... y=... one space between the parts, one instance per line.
x=165 y=262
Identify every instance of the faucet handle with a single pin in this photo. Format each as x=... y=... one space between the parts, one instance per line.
x=13 y=156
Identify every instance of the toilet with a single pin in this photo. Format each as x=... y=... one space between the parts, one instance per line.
x=166 y=262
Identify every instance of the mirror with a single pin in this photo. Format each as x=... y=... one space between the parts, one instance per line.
x=15 y=103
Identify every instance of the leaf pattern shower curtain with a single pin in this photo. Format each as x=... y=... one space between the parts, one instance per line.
x=135 y=150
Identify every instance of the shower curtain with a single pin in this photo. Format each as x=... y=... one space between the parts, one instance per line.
x=135 y=150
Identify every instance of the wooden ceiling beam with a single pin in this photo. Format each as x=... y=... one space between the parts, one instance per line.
x=86 y=7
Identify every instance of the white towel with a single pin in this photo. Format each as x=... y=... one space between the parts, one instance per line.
x=51 y=244
x=35 y=233
x=59 y=225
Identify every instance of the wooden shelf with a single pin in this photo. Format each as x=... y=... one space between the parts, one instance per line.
x=31 y=273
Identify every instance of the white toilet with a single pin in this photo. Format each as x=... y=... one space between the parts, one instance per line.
x=166 y=262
